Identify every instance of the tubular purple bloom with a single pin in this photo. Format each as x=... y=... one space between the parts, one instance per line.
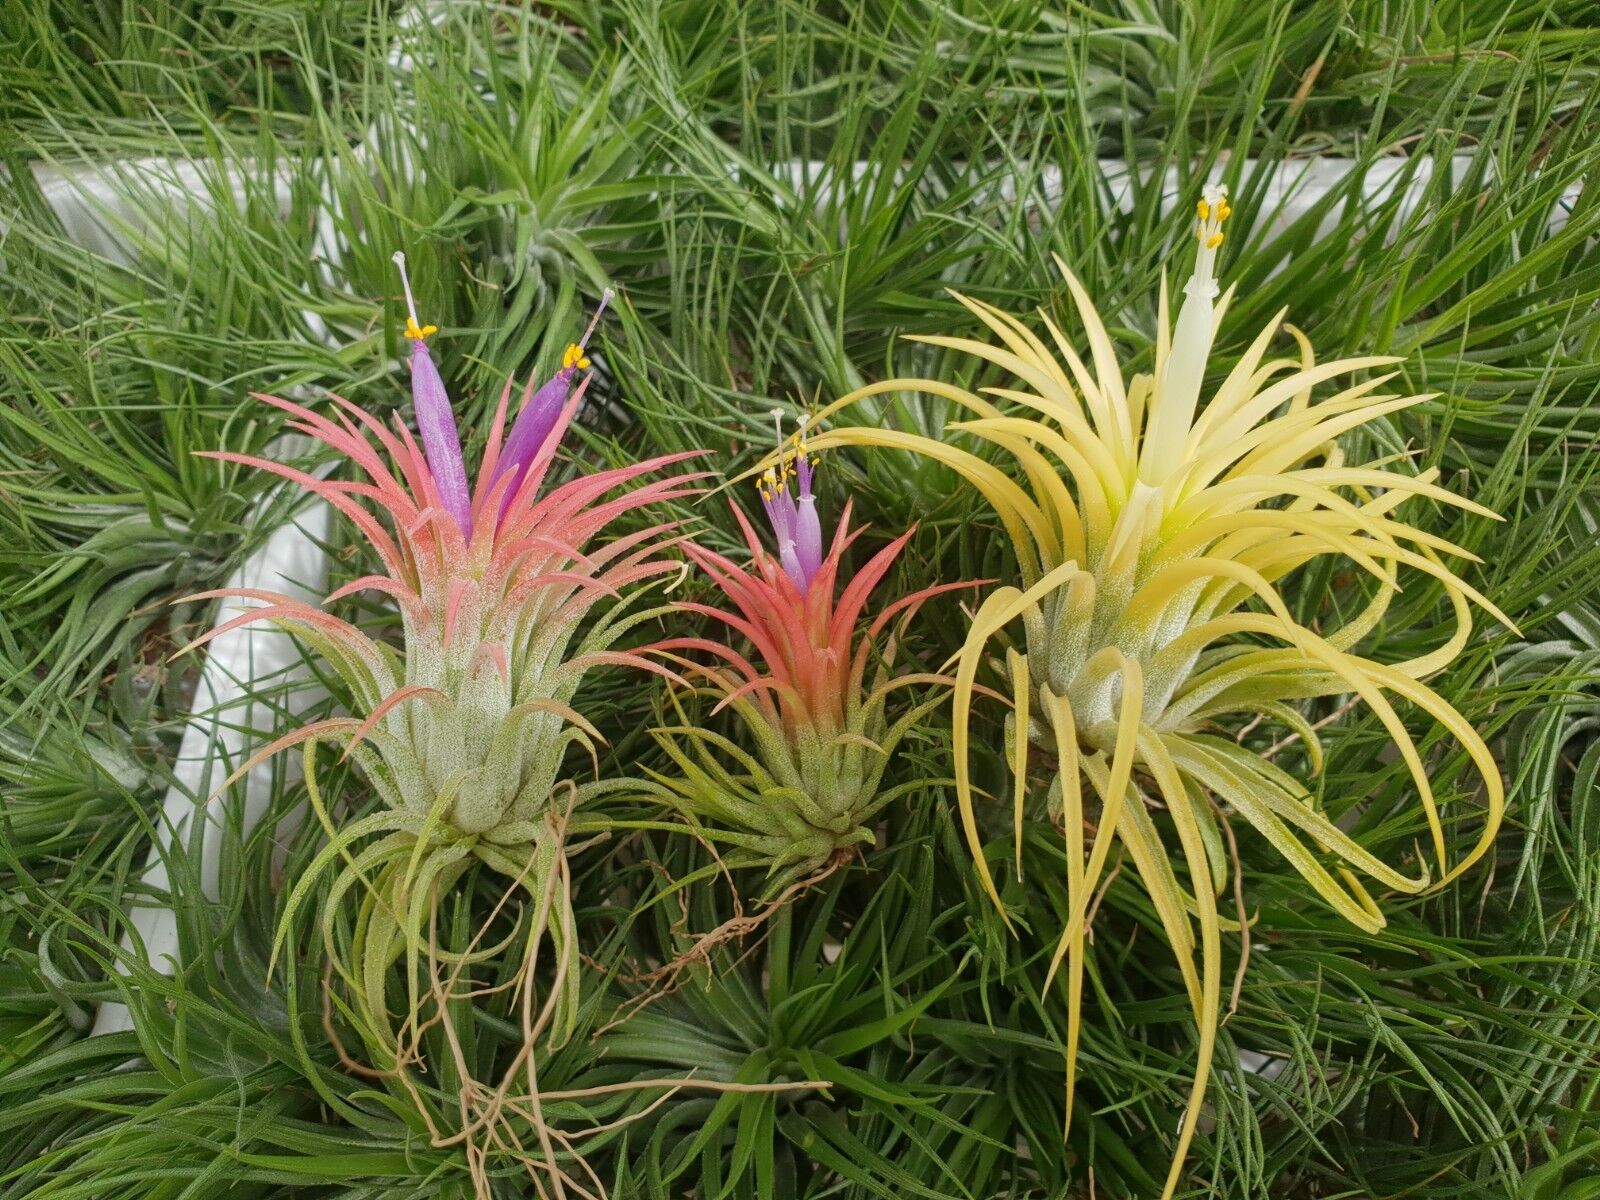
x=794 y=518
x=538 y=416
x=808 y=525
x=441 y=442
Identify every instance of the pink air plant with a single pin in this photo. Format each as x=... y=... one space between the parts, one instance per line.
x=463 y=731
x=821 y=729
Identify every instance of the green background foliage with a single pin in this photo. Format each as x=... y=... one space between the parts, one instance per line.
x=525 y=156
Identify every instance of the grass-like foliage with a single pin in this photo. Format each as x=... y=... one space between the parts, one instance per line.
x=201 y=201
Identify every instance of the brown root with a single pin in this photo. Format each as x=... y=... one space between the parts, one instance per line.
x=501 y=1122
x=668 y=978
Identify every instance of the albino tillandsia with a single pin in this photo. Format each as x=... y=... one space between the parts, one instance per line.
x=1151 y=536
x=811 y=690
x=463 y=728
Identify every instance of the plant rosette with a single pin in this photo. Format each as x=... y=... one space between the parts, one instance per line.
x=808 y=678
x=507 y=596
x=1151 y=537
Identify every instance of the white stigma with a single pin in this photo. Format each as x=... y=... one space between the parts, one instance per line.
x=594 y=321
x=399 y=259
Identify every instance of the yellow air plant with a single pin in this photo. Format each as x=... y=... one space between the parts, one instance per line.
x=1151 y=540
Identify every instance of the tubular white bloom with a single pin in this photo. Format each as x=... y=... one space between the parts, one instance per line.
x=1173 y=415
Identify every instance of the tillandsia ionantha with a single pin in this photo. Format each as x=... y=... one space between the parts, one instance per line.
x=812 y=691
x=1152 y=537
x=463 y=728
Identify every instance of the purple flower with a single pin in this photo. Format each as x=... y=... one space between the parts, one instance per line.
x=538 y=415
x=441 y=443
x=792 y=509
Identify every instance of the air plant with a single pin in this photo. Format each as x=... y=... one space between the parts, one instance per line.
x=1151 y=539
x=811 y=691
x=462 y=730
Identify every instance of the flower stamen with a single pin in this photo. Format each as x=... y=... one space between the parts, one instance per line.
x=1212 y=211
x=414 y=331
x=576 y=356
x=792 y=510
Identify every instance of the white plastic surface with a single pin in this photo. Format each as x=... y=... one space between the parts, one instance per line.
x=240 y=666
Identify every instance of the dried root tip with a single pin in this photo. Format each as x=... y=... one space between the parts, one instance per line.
x=669 y=977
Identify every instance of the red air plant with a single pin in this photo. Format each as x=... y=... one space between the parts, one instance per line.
x=463 y=729
x=820 y=727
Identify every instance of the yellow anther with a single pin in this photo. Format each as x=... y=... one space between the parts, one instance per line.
x=413 y=331
x=1212 y=208
x=575 y=357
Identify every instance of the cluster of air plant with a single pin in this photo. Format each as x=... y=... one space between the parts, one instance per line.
x=811 y=690
x=1150 y=537
x=463 y=729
